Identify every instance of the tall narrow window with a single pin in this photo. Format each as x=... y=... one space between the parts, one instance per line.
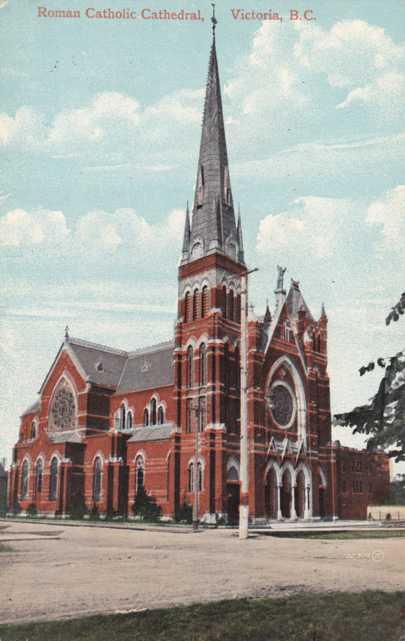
x=139 y=474
x=231 y=305
x=202 y=413
x=33 y=429
x=187 y=307
x=146 y=416
x=129 y=421
x=38 y=476
x=204 y=301
x=161 y=415
x=153 y=411
x=203 y=364
x=224 y=305
x=189 y=415
x=97 y=479
x=53 y=480
x=190 y=477
x=190 y=356
x=195 y=304
x=122 y=417
x=200 y=476
x=25 y=479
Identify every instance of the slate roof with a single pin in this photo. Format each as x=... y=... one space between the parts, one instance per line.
x=152 y=433
x=295 y=302
x=102 y=365
x=148 y=368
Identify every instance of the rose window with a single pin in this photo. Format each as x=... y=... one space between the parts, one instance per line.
x=282 y=405
x=63 y=411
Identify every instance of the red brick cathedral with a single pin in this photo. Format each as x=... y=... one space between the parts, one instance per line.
x=111 y=426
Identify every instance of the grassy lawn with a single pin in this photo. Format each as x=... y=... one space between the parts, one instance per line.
x=336 y=535
x=366 y=616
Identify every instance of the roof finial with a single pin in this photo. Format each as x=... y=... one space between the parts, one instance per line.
x=214 y=21
x=67 y=333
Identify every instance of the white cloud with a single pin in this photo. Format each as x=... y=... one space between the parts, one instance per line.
x=328 y=158
x=19 y=228
x=309 y=226
x=357 y=56
x=105 y=125
x=389 y=215
x=386 y=91
x=94 y=231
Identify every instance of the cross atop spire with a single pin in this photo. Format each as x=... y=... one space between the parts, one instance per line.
x=214 y=21
x=213 y=227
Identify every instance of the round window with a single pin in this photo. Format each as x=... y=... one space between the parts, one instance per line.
x=63 y=411
x=282 y=405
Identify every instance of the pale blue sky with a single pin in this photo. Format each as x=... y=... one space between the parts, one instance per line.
x=99 y=135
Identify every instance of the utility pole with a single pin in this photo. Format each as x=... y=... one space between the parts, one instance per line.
x=244 y=446
x=196 y=471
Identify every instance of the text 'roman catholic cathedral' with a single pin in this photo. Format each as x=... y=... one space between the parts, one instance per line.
x=114 y=432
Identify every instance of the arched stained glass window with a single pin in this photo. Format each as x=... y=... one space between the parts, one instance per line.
x=190 y=357
x=53 y=479
x=153 y=411
x=97 y=471
x=196 y=301
x=39 y=475
x=25 y=479
x=139 y=474
x=203 y=364
x=146 y=416
x=161 y=415
x=129 y=421
x=122 y=417
x=204 y=301
x=187 y=307
x=62 y=415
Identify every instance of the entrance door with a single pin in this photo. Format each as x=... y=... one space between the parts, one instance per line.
x=321 y=501
x=232 y=493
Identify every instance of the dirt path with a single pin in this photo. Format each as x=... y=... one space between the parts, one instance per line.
x=70 y=571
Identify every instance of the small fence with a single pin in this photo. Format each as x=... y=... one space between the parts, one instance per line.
x=386 y=512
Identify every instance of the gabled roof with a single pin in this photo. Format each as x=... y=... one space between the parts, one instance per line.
x=148 y=368
x=296 y=303
x=117 y=369
x=102 y=365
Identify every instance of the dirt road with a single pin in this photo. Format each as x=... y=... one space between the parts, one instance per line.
x=58 y=571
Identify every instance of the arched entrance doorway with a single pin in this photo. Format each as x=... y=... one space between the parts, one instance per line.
x=286 y=493
x=232 y=495
x=300 y=495
x=271 y=494
x=322 y=512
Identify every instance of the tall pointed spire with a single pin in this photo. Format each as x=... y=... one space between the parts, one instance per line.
x=213 y=202
x=241 y=254
x=187 y=232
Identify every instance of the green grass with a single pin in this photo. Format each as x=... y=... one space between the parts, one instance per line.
x=366 y=616
x=339 y=535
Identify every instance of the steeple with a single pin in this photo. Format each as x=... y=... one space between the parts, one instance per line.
x=213 y=225
x=187 y=232
x=241 y=255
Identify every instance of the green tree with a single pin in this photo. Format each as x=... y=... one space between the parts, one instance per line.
x=383 y=418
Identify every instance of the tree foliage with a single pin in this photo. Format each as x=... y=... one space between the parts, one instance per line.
x=383 y=418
